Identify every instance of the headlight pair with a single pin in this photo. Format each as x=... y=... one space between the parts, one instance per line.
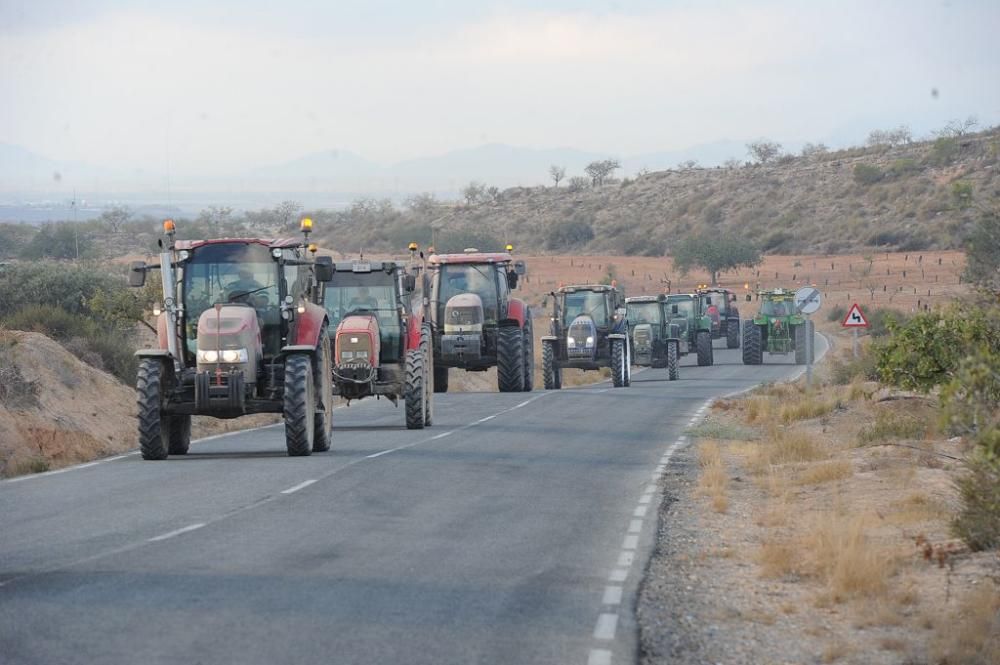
x=227 y=355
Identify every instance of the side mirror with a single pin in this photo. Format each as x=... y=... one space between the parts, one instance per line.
x=409 y=282
x=520 y=268
x=137 y=273
x=749 y=298
x=732 y=298
x=512 y=280
x=324 y=269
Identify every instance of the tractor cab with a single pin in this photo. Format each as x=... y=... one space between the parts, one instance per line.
x=694 y=325
x=655 y=340
x=719 y=305
x=777 y=328
x=372 y=291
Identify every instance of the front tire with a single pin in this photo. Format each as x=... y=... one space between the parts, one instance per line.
x=704 y=343
x=529 y=354
x=618 y=363
x=415 y=389
x=672 y=353
x=154 y=426
x=430 y=373
x=753 y=351
x=510 y=360
x=733 y=334
x=180 y=435
x=299 y=405
x=323 y=378
x=551 y=373
x=800 y=344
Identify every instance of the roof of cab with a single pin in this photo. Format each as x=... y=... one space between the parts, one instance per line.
x=572 y=288
x=266 y=242
x=471 y=257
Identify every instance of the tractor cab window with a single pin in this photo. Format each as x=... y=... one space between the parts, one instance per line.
x=478 y=278
x=366 y=293
x=586 y=303
x=685 y=308
x=241 y=273
x=645 y=312
x=775 y=308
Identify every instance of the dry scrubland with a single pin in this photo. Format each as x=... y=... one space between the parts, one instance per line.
x=813 y=526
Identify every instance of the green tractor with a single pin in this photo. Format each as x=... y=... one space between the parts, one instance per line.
x=695 y=325
x=778 y=328
x=720 y=305
x=655 y=341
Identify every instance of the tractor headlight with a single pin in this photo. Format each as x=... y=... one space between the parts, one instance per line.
x=205 y=356
x=590 y=340
x=346 y=355
x=226 y=355
x=570 y=342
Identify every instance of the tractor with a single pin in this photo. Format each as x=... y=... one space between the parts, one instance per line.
x=778 y=328
x=589 y=330
x=381 y=346
x=237 y=333
x=720 y=305
x=655 y=340
x=685 y=310
x=476 y=323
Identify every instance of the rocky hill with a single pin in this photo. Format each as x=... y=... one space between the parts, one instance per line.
x=905 y=197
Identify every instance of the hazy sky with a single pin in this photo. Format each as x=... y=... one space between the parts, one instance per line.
x=220 y=85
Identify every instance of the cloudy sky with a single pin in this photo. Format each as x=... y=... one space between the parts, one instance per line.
x=214 y=86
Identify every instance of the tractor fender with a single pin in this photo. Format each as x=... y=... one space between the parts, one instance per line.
x=152 y=353
x=413 y=326
x=298 y=348
x=549 y=338
x=617 y=336
x=308 y=325
x=517 y=312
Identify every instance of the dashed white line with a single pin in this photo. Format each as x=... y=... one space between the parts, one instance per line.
x=650 y=489
x=625 y=559
x=524 y=403
x=606 y=626
x=618 y=575
x=296 y=488
x=640 y=511
x=177 y=532
x=631 y=542
x=599 y=657
x=483 y=420
x=441 y=436
x=645 y=498
x=380 y=453
x=612 y=595
x=635 y=526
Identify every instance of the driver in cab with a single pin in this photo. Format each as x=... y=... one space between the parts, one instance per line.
x=363 y=300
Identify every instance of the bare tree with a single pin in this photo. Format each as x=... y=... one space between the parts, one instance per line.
x=599 y=171
x=557 y=173
x=116 y=217
x=578 y=183
x=764 y=151
x=733 y=163
x=474 y=192
x=215 y=215
x=956 y=128
x=890 y=137
x=287 y=213
x=493 y=194
x=688 y=165
x=812 y=150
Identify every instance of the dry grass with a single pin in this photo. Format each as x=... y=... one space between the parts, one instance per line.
x=834 y=651
x=714 y=479
x=971 y=633
x=839 y=552
x=826 y=472
x=807 y=407
x=778 y=558
x=783 y=446
x=916 y=508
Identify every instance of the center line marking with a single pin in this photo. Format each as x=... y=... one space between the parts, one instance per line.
x=441 y=436
x=296 y=488
x=606 y=625
x=635 y=526
x=384 y=452
x=618 y=575
x=190 y=527
x=483 y=420
x=599 y=657
x=625 y=559
x=631 y=542
x=645 y=498
x=612 y=595
x=640 y=511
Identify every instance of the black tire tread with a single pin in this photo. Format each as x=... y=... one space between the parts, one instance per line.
x=298 y=411
x=618 y=363
x=733 y=334
x=672 y=360
x=550 y=373
x=703 y=341
x=154 y=427
x=323 y=434
x=415 y=392
x=753 y=353
x=180 y=435
x=510 y=360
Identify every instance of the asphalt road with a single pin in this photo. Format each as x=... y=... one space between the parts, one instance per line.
x=513 y=531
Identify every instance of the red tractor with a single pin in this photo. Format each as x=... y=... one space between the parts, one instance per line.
x=477 y=324
x=382 y=347
x=237 y=333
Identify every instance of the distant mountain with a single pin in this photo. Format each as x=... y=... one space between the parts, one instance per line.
x=24 y=171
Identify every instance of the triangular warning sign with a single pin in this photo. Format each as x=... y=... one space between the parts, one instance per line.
x=855 y=318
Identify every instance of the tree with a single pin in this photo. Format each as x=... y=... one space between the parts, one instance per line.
x=764 y=151
x=600 y=170
x=889 y=137
x=116 y=217
x=578 y=183
x=557 y=173
x=982 y=258
x=288 y=213
x=715 y=253
x=215 y=215
x=957 y=127
x=812 y=150
x=59 y=241
x=688 y=165
x=474 y=192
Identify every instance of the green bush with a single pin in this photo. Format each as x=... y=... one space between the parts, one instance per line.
x=978 y=522
x=879 y=320
x=867 y=174
x=62 y=285
x=836 y=313
x=568 y=233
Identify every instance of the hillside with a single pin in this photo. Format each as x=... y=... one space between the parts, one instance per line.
x=891 y=197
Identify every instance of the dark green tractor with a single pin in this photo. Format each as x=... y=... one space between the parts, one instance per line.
x=695 y=326
x=777 y=328
x=655 y=341
x=720 y=305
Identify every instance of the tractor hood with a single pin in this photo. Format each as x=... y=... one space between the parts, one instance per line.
x=581 y=337
x=463 y=314
x=229 y=337
x=357 y=340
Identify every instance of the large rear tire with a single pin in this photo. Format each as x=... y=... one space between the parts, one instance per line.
x=416 y=391
x=551 y=373
x=733 y=334
x=704 y=343
x=440 y=379
x=753 y=351
x=618 y=363
x=429 y=374
x=510 y=359
x=180 y=435
x=154 y=426
x=323 y=380
x=672 y=360
x=800 y=344
x=529 y=353
x=299 y=405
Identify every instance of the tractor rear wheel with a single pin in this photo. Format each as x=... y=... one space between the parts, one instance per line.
x=529 y=354
x=800 y=344
x=618 y=363
x=704 y=343
x=323 y=380
x=551 y=374
x=154 y=426
x=180 y=435
x=628 y=362
x=415 y=391
x=733 y=334
x=510 y=359
x=753 y=352
x=672 y=353
x=440 y=379
x=429 y=374
x=299 y=405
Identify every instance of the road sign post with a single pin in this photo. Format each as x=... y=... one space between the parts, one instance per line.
x=855 y=320
x=807 y=301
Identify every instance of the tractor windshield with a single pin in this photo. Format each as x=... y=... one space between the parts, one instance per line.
x=645 y=312
x=681 y=308
x=478 y=278
x=776 y=308
x=367 y=293
x=231 y=273
x=586 y=303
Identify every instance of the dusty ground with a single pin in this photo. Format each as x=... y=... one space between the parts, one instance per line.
x=812 y=526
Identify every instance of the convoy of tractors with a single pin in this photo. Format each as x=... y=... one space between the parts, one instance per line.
x=251 y=325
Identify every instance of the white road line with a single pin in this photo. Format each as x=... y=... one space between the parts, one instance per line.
x=645 y=498
x=635 y=526
x=296 y=488
x=660 y=468
x=441 y=436
x=612 y=595
x=640 y=511
x=606 y=626
x=631 y=542
x=618 y=575
x=190 y=527
x=380 y=453
x=625 y=559
x=650 y=489
x=524 y=403
x=483 y=420
x=599 y=657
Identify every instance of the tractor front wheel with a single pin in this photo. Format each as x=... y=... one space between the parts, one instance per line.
x=299 y=405
x=180 y=435
x=510 y=359
x=618 y=360
x=551 y=373
x=733 y=334
x=800 y=344
x=323 y=380
x=753 y=351
x=154 y=426
x=430 y=374
x=672 y=353
x=704 y=343
x=416 y=392
x=529 y=354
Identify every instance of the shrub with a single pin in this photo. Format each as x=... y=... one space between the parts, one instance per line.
x=569 y=233
x=836 y=313
x=867 y=174
x=16 y=392
x=978 y=521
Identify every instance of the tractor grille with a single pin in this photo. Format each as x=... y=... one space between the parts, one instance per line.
x=464 y=316
x=643 y=336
